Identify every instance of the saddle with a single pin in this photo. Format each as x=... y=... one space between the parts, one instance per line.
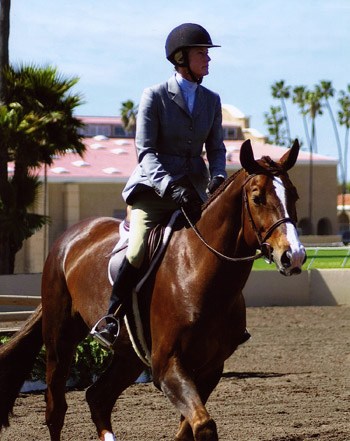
x=158 y=240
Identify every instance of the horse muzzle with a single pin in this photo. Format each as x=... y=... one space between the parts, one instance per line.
x=290 y=263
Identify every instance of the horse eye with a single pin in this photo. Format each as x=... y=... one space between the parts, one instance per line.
x=257 y=200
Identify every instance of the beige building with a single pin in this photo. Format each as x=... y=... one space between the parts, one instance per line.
x=80 y=188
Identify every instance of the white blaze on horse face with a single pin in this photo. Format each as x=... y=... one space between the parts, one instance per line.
x=296 y=248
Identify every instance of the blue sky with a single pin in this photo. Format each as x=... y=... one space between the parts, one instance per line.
x=117 y=49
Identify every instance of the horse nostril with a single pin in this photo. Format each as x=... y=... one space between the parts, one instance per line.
x=295 y=271
x=286 y=259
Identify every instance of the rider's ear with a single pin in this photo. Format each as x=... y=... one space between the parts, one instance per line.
x=290 y=158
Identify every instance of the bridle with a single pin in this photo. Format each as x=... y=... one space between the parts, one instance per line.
x=265 y=247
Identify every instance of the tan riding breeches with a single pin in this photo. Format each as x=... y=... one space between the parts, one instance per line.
x=147 y=211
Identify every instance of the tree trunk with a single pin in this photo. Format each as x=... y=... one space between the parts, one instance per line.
x=6 y=267
x=6 y=261
x=4 y=61
x=4 y=42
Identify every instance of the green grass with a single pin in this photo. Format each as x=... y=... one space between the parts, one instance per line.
x=317 y=258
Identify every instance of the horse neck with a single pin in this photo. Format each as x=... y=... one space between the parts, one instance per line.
x=221 y=221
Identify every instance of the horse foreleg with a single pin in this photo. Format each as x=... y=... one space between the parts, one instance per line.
x=185 y=431
x=182 y=391
x=205 y=386
x=123 y=370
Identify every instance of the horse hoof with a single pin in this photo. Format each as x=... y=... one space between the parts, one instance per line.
x=206 y=432
x=109 y=437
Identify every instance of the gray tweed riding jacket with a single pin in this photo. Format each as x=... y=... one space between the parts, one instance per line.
x=170 y=140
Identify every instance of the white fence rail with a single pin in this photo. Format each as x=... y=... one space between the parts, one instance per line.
x=19 y=293
x=20 y=302
x=19 y=296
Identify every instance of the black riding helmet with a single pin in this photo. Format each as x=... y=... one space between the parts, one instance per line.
x=184 y=36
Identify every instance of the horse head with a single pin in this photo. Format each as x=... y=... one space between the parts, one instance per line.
x=270 y=208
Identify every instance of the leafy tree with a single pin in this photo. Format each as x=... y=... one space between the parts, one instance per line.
x=274 y=122
x=282 y=92
x=36 y=123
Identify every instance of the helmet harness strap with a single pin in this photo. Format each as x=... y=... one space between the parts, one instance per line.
x=187 y=65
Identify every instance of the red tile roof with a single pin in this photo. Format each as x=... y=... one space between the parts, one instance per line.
x=113 y=159
x=346 y=199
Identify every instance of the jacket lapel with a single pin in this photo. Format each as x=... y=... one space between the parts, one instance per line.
x=199 y=103
x=175 y=94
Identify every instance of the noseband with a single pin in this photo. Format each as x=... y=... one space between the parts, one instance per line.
x=265 y=247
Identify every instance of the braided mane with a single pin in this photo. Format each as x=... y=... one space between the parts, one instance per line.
x=220 y=189
x=269 y=165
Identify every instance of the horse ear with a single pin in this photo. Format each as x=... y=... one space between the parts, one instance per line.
x=246 y=158
x=290 y=158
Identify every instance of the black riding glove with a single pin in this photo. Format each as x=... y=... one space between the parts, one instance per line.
x=183 y=193
x=215 y=183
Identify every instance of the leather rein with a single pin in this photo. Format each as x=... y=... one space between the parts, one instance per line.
x=265 y=247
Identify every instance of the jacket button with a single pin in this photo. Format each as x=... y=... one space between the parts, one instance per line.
x=189 y=141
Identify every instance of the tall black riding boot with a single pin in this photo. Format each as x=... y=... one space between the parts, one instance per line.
x=124 y=283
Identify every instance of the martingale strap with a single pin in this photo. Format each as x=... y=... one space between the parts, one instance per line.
x=265 y=249
x=216 y=252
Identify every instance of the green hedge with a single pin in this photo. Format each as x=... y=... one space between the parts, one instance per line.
x=89 y=361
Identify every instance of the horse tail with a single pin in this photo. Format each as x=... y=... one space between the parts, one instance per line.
x=17 y=358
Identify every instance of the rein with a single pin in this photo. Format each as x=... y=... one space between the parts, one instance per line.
x=262 y=240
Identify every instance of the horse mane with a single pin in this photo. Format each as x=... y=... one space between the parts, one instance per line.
x=220 y=189
x=270 y=166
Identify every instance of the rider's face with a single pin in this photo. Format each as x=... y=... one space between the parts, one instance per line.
x=198 y=58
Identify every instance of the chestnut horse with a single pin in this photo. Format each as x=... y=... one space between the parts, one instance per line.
x=193 y=316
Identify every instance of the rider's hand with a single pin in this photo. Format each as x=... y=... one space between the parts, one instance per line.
x=183 y=193
x=215 y=183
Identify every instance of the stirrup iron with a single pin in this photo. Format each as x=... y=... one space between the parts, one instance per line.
x=95 y=331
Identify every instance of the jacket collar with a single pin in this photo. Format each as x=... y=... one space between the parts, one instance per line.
x=175 y=94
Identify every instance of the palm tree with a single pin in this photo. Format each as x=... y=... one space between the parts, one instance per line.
x=326 y=91
x=299 y=98
x=37 y=123
x=282 y=92
x=314 y=108
x=344 y=120
x=129 y=114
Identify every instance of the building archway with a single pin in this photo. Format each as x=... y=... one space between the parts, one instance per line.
x=305 y=226
x=324 y=226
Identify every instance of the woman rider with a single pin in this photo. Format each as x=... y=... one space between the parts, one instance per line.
x=175 y=120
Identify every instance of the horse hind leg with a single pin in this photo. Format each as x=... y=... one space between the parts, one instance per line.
x=124 y=369
x=62 y=332
x=61 y=344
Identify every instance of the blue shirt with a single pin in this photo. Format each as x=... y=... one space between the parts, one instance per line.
x=188 y=89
